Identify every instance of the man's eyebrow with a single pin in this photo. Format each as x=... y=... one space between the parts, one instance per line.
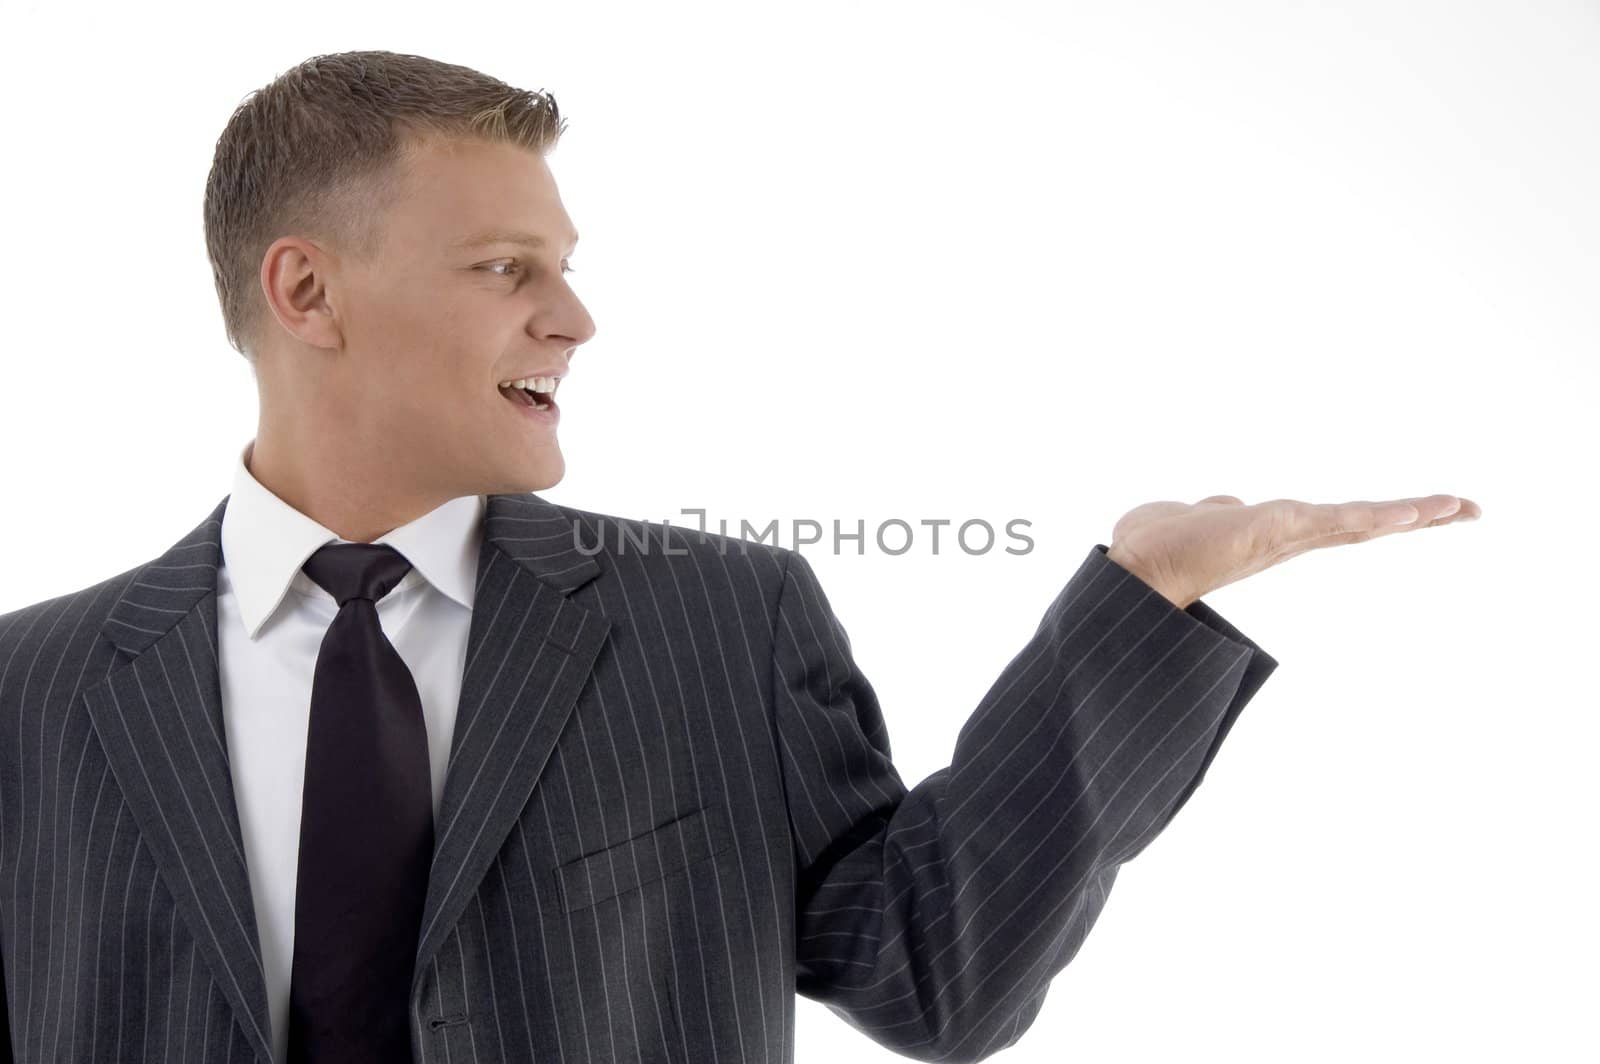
x=509 y=236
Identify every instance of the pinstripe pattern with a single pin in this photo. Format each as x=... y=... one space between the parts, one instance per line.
x=670 y=805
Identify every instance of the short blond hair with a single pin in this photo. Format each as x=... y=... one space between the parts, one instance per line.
x=320 y=152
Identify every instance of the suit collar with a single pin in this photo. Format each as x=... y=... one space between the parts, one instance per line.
x=158 y=714
x=265 y=541
x=552 y=543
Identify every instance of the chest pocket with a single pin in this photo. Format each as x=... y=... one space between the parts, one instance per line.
x=659 y=852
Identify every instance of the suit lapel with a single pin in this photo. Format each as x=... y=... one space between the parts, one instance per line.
x=159 y=718
x=158 y=715
x=529 y=653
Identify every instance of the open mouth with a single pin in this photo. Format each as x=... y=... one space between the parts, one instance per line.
x=527 y=397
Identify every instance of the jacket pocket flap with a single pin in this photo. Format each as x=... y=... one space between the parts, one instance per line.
x=645 y=858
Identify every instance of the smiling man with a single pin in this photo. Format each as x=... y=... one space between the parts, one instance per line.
x=390 y=758
x=417 y=327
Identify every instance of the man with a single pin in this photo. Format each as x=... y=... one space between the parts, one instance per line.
x=390 y=758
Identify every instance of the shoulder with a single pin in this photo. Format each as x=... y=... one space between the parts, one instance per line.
x=664 y=553
x=56 y=628
x=64 y=613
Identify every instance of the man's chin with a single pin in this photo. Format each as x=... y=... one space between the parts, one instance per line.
x=546 y=475
x=547 y=482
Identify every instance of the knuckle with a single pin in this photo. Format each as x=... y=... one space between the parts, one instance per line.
x=1277 y=521
x=1280 y=519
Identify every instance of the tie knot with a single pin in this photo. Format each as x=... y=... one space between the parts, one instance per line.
x=356 y=570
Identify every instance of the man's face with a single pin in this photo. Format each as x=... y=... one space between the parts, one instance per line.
x=436 y=322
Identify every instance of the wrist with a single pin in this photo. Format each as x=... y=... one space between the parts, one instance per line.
x=1119 y=555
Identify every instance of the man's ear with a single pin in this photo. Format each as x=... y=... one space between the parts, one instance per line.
x=295 y=281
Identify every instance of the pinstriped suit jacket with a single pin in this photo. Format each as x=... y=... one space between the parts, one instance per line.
x=669 y=806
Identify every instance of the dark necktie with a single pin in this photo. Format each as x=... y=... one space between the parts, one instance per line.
x=366 y=828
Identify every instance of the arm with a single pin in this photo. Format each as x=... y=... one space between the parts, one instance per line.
x=5 y=1005
x=5 y=1021
x=934 y=919
x=5 y=1015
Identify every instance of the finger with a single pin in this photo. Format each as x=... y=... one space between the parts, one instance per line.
x=1338 y=538
x=1394 y=514
x=1231 y=500
x=1440 y=510
x=1296 y=525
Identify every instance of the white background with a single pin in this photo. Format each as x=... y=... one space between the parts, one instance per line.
x=1000 y=260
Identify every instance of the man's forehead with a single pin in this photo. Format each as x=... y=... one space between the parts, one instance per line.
x=489 y=236
x=470 y=194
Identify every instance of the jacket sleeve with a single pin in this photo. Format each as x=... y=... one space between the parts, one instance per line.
x=933 y=919
x=5 y=1010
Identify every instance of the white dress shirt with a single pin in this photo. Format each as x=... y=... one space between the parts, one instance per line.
x=271 y=618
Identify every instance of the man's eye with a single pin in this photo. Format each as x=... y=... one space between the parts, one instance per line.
x=516 y=266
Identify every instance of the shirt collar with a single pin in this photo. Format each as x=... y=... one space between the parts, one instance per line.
x=265 y=541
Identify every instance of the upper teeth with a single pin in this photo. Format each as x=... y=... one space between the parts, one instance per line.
x=537 y=384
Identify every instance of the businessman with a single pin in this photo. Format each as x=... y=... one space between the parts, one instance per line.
x=389 y=758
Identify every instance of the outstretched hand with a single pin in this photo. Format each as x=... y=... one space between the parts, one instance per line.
x=1186 y=551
